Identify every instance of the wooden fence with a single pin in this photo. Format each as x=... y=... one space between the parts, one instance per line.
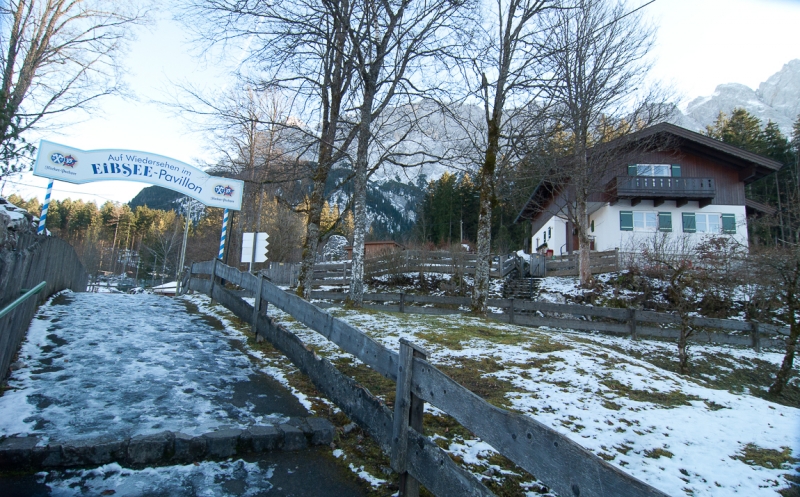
x=563 y=465
x=633 y=322
x=567 y=265
x=406 y=261
x=282 y=273
x=37 y=259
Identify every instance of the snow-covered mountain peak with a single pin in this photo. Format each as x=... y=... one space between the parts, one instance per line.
x=777 y=99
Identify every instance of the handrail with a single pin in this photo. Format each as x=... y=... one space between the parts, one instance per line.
x=10 y=307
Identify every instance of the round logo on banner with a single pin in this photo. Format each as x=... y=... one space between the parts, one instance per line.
x=223 y=190
x=63 y=160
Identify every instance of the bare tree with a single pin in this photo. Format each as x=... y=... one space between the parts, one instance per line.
x=304 y=48
x=57 y=56
x=598 y=55
x=785 y=265
x=505 y=73
x=391 y=42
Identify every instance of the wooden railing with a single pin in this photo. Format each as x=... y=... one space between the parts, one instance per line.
x=444 y=262
x=667 y=187
x=567 y=265
x=633 y=322
x=563 y=465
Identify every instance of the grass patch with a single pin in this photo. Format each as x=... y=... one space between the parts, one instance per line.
x=672 y=398
x=722 y=371
x=471 y=374
x=453 y=333
x=658 y=452
x=754 y=455
x=543 y=345
x=612 y=406
x=544 y=364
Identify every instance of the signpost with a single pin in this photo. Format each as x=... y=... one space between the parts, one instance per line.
x=254 y=252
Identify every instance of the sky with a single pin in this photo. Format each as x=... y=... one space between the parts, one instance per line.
x=700 y=44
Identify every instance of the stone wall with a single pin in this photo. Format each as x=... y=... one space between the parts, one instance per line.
x=33 y=260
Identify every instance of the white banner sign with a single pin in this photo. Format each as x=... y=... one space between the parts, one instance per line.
x=86 y=166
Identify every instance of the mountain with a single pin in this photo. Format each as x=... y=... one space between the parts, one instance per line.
x=156 y=197
x=391 y=204
x=776 y=99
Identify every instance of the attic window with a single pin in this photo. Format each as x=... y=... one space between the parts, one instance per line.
x=661 y=170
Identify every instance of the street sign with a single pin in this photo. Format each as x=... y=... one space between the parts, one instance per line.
x=260 y=248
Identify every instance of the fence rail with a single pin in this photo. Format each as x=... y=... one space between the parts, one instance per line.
x=554 y=459
x=633 y=322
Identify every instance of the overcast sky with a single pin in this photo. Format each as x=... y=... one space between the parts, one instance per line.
x=701 y=43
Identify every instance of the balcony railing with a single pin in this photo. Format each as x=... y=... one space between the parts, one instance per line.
x=663 y=187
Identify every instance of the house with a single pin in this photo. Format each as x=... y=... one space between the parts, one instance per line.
x=662 y=179
x=375 y=249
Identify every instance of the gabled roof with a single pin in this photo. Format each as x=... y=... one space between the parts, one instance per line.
x=668 y=136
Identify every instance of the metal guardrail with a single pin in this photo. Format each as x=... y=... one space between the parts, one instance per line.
x=33 y=291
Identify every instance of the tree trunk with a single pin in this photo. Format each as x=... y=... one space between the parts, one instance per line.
x=785 y=370
x=311 y=242
x=480 y=292
x=683 y=343
x=584 y=245
x=360 y=202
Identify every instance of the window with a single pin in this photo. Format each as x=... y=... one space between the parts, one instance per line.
x=550 y=232
x=661 y=170
x=709 y=223
x=645 y=221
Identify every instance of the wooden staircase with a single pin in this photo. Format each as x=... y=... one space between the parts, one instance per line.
x=521 y=288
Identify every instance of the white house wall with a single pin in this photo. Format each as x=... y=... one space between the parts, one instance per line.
x=558 y=228
x=608 y=236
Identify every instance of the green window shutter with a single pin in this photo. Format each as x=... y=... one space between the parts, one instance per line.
x=729 y=224
x=625 y=220
x=689 y=223
x=664 y=221
x=676 y=171
x=631 y=169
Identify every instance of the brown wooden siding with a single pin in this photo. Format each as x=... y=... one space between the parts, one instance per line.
x=730 y=191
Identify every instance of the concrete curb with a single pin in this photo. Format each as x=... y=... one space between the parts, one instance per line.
x=165 y=447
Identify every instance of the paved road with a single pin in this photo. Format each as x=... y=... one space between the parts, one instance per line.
x=124 y=365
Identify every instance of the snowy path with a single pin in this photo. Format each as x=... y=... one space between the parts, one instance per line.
x=124 y=365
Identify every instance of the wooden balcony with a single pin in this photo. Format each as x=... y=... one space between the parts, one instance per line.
x=661 y=188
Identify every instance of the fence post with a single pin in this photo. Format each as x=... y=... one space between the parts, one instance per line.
x=402 y=301
x=511 y=311
x=756 y=335
x=632 y=322
x=213 y=279
x=257 y=304
x=408 y=409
